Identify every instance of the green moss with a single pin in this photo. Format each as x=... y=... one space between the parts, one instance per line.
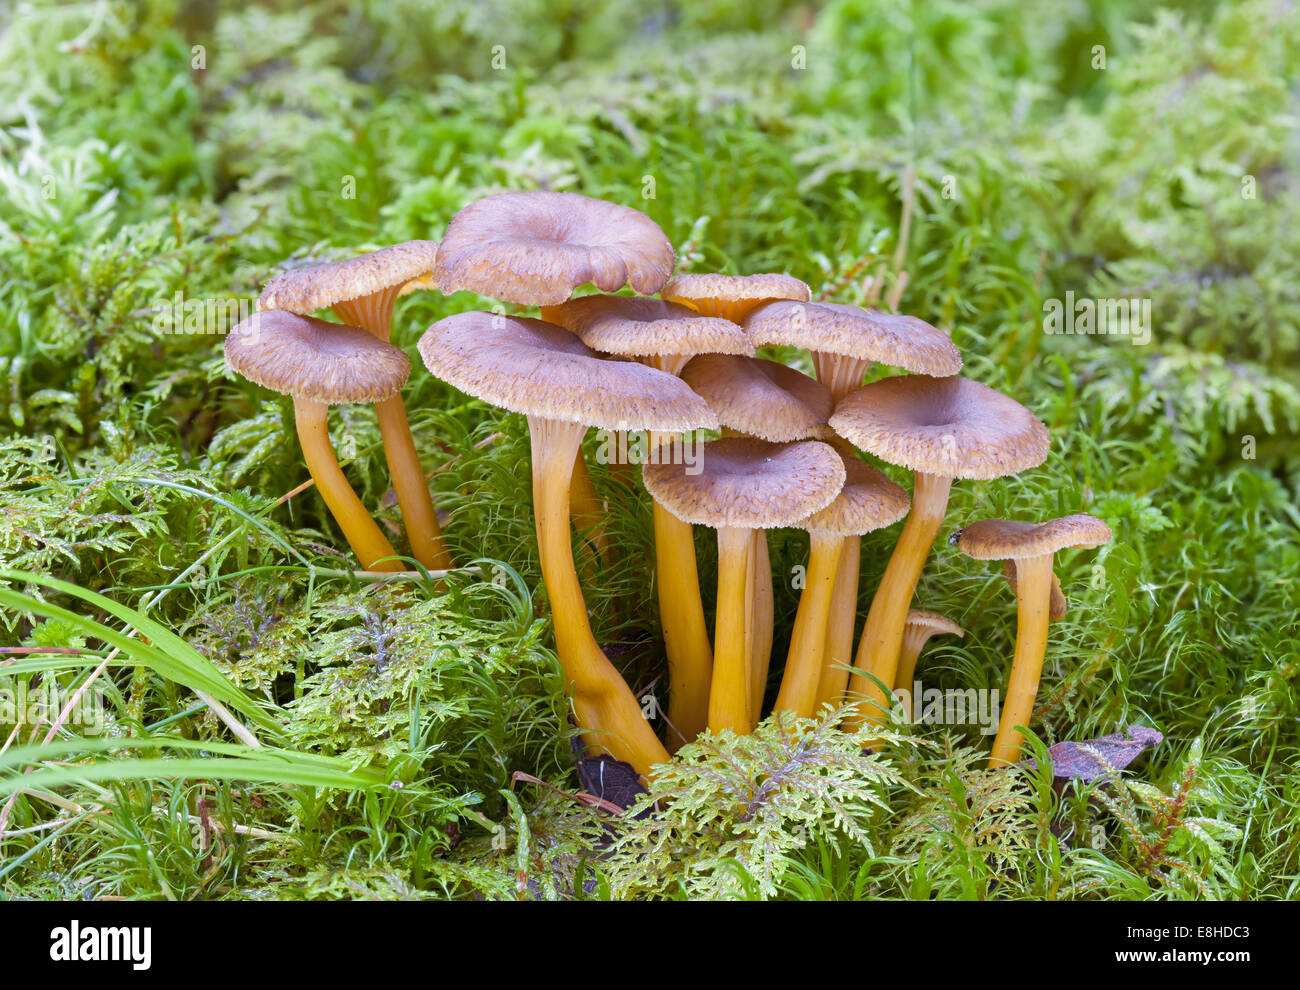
x=776 y=138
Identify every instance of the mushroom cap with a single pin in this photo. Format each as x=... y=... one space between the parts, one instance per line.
x=749 y=484
x=538 y=369
x=315 y=360
x=933 y=623
x=760 y=398
x=867 y=502
x=1057 y=605
x=692 y=289
x=535 y=248
x=645 y=327
x=1005 y=539
x=865 y=334
x=951 y=427
x=305 y=290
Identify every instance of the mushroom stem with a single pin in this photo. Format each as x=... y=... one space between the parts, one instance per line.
x=411 y=487
x=587 y=508
x=882 y=636
x=360 y=530
x=839 y=626
x=804 y=662
x=1033 y=600
x=375 y=314
x=730 y=693
x=760 y=618
x=839 y=372
x=605 y=707
x=686 y=635
x=913 y=641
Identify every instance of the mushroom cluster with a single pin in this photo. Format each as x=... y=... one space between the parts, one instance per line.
x=663 y=369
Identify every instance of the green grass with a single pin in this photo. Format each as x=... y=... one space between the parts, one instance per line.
x=142 y=525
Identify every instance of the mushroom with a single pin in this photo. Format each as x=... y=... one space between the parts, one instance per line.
x=920 y=628
x=844 y=341
x=361 y=292
x=764 y=399
x=534 y=249
x=1032 y=547
x=760 y=398
x=941 y=429
x=321 y=364
x=732 y=297
x=654 y=332
x=745 y=484
x=563 y=387
x=665 y=336
x=867 y=502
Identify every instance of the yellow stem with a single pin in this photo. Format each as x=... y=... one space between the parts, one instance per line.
x=1033 y=598
x=412 y=490
x=374 y=313
x=882 y=635
x=587 y=508
x=839 y=626
x=605 y=707
x=686 y=636
x=360 y=530
x=729 y=694
x=907 y=656
x=803 y=664
x=760 y=618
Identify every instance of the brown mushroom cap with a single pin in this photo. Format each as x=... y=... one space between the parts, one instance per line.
x=535 y=248
x=315 y=360
x=760 y=398
x=868 y=501
x=933 y=623
x=749 y=484
x=1004 y=539
x=700 y=291
x=1057 y=605
x=305 y=290
x=535 y=368
x=950 y=427
x=645 y=327
x=869 y=335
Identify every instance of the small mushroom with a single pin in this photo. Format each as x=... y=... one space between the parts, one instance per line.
x=764 y=399
x=920 y=628
x=321 y=364
x=563 y=387
x=760 y=398
x=745 y=484
x=666 y=336
x=941 y=429
x=846 y=340
x=732 y=297
x=1032 y=547
x=361 y=292
x=868 y=501
x=535 y=248
x=660 y=334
